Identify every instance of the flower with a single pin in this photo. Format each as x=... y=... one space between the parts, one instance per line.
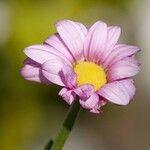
x=87 y=63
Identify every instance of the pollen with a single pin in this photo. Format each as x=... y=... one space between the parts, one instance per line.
x=90 y=73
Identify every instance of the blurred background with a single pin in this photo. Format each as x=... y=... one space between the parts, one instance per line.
x=31 y=113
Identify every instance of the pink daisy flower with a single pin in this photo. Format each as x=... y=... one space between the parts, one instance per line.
x=86 y=62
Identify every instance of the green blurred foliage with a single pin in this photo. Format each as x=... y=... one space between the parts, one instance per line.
x=30 y=112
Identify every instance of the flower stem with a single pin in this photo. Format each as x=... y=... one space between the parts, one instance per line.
x=66 y=128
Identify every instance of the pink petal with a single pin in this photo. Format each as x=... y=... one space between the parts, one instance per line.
x=91 y=103
x=56 y=42
x=97 y=107
x=118 y=92
x=73 y=36
x=88 y=98
x=32 y=71
x=120 y=51
x=83 y=29
x=84 y=91
x=68 y=76
x=123 y=69
x=95 y=41
x=51 y=69
x=42 y=53
x=67 y=95
x=113 y=36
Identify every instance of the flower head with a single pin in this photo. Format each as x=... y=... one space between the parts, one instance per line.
x=85 y=62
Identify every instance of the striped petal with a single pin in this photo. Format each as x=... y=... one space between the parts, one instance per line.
x=43 y=53
x=84 y=91
x=32 y=71
x=56 y=42
x=92 y=103
x=51 y=69
x=118 y=92
x=113 y=35
x=112 y=38
x=120 y=51
x=73 y=35
x=68 y=95
x=68 y=76
x=95 y=41
x=123 y=69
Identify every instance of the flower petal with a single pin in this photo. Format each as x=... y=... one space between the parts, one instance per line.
x=68 y=95
x=95 y=41
x=84 y=91
x=51 y=69
x=91 y=103
x=73 y=35
x=68 y=76
x=118 y=92
x=113 y=35
x=112 y=38
x=97 y=108
x=42 y=53
x=83 y=29
x=32 y=71
x=56 y=42
x=119 y=52
x=123 y=69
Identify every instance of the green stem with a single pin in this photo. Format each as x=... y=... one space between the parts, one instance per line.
x=49 y=145
x=66 y=128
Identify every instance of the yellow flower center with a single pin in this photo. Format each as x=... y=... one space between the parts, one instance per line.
x=90 y=73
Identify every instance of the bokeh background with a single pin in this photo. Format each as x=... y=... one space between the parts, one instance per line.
x=31 y=113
